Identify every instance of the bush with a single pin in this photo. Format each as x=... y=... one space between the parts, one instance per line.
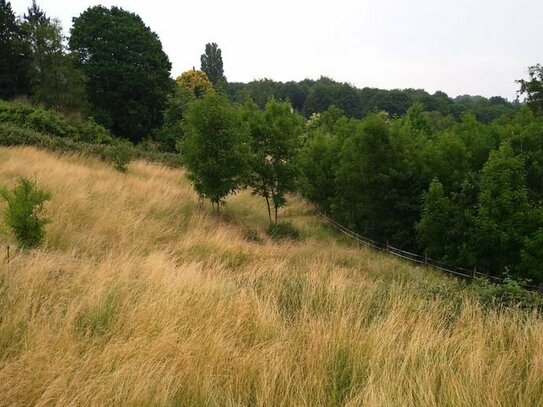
x=52 y=123
x=509 y=294
x=283 y=230
x=24 y=212
x=120 y=154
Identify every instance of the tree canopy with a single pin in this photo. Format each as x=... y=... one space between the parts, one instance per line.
x=196 y=82
x=216 y=148
x=14 y=54
x=533 y=88
x=127 y=70
x=54 y=82
x=211 y=64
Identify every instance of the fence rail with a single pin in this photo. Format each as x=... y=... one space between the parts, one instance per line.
x=458 y=272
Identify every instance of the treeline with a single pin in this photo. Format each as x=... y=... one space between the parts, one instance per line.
x=309 y=96
x=470 y=195
x=113 y=69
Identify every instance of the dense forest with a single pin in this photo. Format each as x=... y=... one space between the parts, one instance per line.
x=456 y=178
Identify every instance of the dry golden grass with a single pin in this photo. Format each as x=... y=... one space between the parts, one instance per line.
x=169 y=305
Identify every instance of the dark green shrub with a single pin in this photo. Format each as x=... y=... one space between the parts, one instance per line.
x=52 y=123
x=509 y=294
x=283 y=230
x=24 y=212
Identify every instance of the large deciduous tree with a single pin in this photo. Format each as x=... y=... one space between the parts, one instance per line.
x=127 y=70
x=211 y=62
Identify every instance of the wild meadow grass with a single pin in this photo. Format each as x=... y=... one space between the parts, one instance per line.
x=142 y=297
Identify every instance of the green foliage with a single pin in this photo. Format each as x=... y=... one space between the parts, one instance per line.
x=446 y=229
x=317 y=163
x=120 y=154
x=533 y=88
x=283 y=230
x=275 y=140
x=128 y=72
x=216 y=147
x=504 y=211
x=14 y=55
x=172 y=131
x=52 y=123
x=310 y=97
x=532 y=254
x=509 y=294
x=23 y=213
x=212 y=65
x=483 y=208
x=53 y=79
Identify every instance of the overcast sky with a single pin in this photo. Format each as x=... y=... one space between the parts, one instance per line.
x=458 y=46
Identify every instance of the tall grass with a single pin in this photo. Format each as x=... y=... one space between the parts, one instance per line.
x=150 y=300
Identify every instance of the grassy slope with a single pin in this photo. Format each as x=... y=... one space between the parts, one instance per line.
x=181 y=308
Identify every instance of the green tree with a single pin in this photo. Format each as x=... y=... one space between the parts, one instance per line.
x=172 y=132
x=23 y=213
x=216 y=147
x=128 y=72
x=53 y=79
x=533 y=88
x=317 y=163
x=531 y=265
x=275 y=140
x=211 y=64
x=446 y=229
x=504 y=211
x=13 y=55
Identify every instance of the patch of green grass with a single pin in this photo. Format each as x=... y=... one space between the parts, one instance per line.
x=341 y=376
x=292 y=295
x=283 y=230
x=98 y=319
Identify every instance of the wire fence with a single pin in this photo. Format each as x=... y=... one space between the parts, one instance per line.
x=458 y=272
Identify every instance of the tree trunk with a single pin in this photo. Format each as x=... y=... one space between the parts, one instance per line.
x=269 y=208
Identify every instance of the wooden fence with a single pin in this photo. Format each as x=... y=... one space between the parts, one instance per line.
x=459 y=272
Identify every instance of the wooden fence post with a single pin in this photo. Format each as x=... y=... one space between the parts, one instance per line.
x=7 y=254
x=473 y=273
x=426 y=257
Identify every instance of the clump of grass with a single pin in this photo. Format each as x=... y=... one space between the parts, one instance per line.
x=292 y=295
x=98 y=318
x=252 y=235
x=283 y=230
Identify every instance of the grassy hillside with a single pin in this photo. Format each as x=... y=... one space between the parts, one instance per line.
x=142 y=298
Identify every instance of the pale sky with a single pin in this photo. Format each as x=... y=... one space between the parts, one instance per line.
x=460 y=47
